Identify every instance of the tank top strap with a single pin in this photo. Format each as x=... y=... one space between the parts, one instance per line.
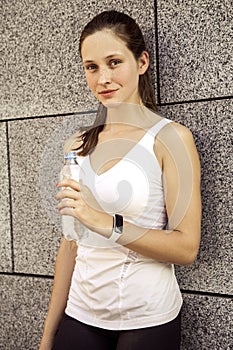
x=149 y=138
x=158 y=126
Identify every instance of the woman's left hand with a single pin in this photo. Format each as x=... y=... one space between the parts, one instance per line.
x=77 y=200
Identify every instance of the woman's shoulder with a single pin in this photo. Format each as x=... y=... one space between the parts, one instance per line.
x=169 y=127
x=174 y=136
x=178 y=129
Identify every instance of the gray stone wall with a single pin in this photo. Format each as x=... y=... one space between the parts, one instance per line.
x=44 y=98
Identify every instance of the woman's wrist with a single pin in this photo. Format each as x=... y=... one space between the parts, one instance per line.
x=102 y=223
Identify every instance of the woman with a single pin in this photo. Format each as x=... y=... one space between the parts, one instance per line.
x=139 y=200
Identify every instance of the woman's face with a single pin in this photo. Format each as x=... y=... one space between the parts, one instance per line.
x=112 y=73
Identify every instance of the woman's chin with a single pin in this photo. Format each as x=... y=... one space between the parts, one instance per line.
x=112 y=104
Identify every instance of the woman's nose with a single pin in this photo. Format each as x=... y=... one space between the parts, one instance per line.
x=104 y=76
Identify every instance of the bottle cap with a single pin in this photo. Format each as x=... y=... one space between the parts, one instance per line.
x=71 y=155
x=71 y=158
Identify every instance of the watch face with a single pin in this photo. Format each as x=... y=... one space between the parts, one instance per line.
x=118 y=223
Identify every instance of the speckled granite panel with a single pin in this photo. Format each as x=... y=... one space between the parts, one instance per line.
x=5 y=234
x=195 y=49
x=211 y=124
x=207 y=323
x=42 y=72
x=36 y=159
x=24 y=303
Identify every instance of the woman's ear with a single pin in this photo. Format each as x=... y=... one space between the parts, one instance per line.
x=143 y=62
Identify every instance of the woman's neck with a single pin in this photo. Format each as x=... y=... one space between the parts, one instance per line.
x=120 y=115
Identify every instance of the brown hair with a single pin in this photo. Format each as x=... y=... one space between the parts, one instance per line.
x=128 y=30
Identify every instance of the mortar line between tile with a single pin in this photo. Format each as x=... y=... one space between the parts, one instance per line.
x=28 y=275
x=10 y=197
x=183 y=291
x=157 y=52
x=208 y=294
x=57 y=115
x=210 y=99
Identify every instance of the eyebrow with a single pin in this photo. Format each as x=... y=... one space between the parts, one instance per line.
x=107 y=57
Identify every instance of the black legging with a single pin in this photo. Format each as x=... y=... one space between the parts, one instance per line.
x=75 y=335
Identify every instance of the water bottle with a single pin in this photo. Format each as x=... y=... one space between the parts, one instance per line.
x=71 y=169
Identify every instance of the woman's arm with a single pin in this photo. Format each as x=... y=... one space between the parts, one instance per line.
x=64 y=267
x=181 y=177
x=179 y=244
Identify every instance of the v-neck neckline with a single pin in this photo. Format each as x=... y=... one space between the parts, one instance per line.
x=122 y=159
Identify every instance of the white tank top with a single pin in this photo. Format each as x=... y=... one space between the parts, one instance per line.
x=113 y=287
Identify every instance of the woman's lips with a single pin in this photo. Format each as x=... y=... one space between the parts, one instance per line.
x=107 y=93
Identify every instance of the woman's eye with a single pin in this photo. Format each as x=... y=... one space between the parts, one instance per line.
x=91 y=67
x=114 y=63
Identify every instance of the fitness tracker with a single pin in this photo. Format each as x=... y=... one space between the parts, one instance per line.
x=117 y=227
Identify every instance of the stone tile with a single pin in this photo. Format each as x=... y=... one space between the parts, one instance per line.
x=42 y=72
x=206 y=320
x=36 y=152
x=211 y=125
x=24 y=304
x=206 y=323
x=195 y=49
x=5 y=231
